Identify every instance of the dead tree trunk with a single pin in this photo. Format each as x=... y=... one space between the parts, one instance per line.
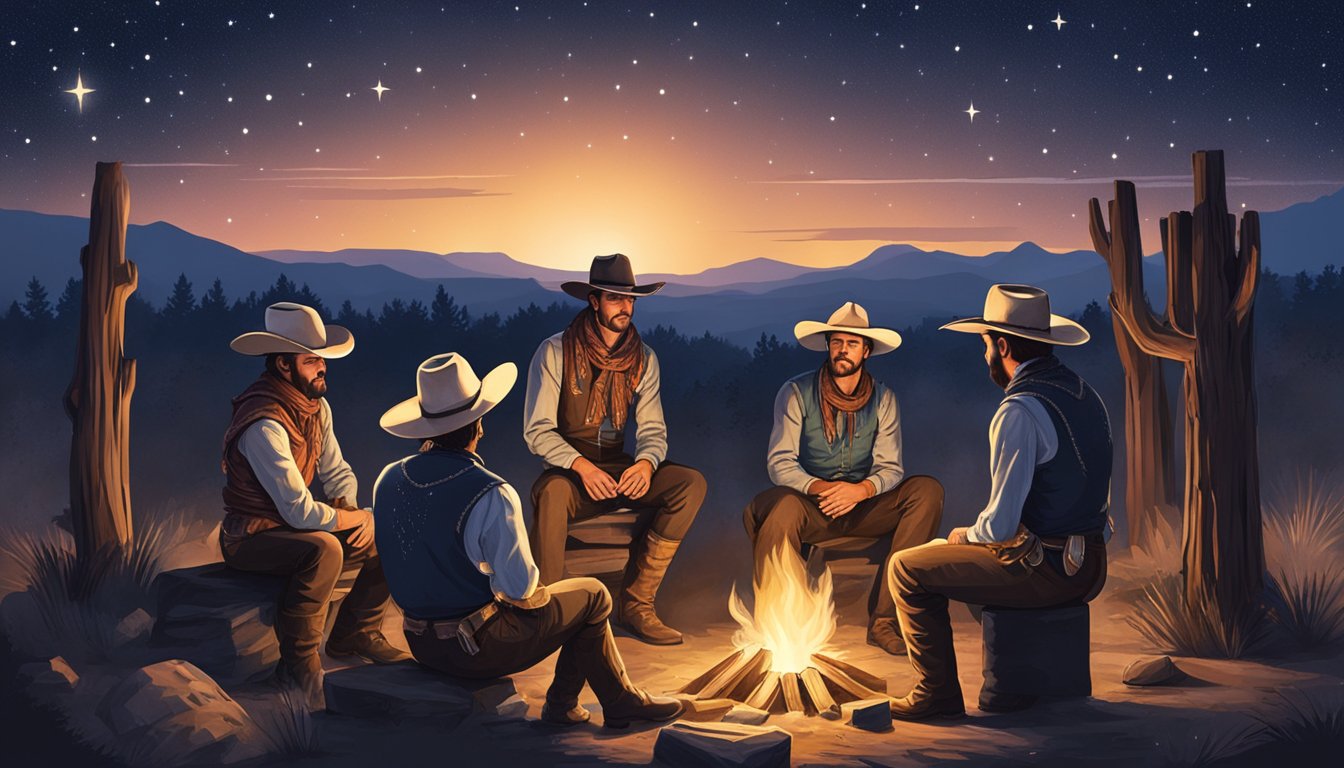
x=1208 y=330
x=98 y=401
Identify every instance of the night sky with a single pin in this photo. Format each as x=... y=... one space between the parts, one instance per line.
x=687 y=135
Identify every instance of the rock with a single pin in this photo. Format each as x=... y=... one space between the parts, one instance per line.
x=723 y=745
x=134 y=627
x=868 y=714
x=398 y=691
x=1152 y=670
x=745 y=715
x=220 y=619
x=171 y=713
x=47 y=681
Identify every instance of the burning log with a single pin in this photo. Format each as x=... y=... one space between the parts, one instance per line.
x=695 y=686
x=840 y=670
x=746 y=674
x=820 y=697
x=793 y=695
x=766 y=696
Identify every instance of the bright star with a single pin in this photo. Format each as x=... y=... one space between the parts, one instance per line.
x=972 y=111
x=380 y=88
x=79 y=90
x=1058 y=21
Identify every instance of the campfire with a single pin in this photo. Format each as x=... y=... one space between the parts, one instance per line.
x=784 y=662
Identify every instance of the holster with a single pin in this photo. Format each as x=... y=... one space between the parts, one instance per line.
x=1025 y=546
x=464 y=629
x=1073 y=549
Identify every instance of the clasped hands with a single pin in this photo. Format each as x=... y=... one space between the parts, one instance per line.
x=837 y=498
x=600 y=485
x=358 y=521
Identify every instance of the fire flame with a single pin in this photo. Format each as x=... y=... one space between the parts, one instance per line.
x=794 y=616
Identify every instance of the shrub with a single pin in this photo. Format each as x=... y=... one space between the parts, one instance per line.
x=1164 y=619
x=288 y=723
x=1302 y=547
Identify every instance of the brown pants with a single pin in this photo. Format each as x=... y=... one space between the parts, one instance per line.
x=314 y=562
x=574 y=621
x=909 y=514
x=559 y=498
x=924 y=579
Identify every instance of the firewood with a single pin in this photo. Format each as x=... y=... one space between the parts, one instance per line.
x=767 y=692
x=792 y=693
x=727 y=680
x=867 y=680
x=844 y=688
x=816 y=691
x=696 y=685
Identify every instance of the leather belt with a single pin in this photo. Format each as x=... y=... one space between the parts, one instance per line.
x=464 y=629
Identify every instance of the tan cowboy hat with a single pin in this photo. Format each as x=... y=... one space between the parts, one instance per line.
x=448 y=397
x=849 y=318
x=1022 y=310
x=612 y=274
x=295 y=328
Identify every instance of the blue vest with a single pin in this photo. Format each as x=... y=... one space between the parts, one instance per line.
x=843 y=459
x=1071 y=492
x=420 y=507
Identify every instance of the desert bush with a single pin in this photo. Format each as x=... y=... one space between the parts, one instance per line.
x=1302 y=728
x=1303 y=537
x=1164 y=619
x=287 y=722
x=1204 y=747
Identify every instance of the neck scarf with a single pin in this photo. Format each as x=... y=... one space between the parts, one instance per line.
x=619 y=368
x=833 y=399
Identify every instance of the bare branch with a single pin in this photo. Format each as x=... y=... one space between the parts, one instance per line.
x=1127 y=296
x=1159 y=341
x=1101 y=239
x=1248 y=262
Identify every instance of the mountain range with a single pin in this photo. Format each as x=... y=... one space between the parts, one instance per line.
x=900 y=284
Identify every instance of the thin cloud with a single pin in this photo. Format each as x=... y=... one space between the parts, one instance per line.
x=360 y=193
x=439 y=177
x=1139 y=181
x=317 y=168
x=180 y=165
x=921 y=234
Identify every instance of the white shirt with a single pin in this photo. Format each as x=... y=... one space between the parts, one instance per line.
x=781 y=459
x=1021 y=438
x=541 y=408
x=265 y=445
x=496 y=541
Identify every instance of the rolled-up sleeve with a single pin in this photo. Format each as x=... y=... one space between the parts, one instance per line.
x=888 y=470
x=338 y=479
x=496 y=541
x=650 y=425
x=266 y=447
x=541 y=407
x=781 y=459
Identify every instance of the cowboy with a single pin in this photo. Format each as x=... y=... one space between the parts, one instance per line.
x=1040 y=542
x=279 y=441
x=457 y=560
x=582 y=386
x=835 y=460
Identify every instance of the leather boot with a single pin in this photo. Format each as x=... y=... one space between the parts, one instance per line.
x=300 y=666
x=637 y=705
x=634 y=608
x=886 y=634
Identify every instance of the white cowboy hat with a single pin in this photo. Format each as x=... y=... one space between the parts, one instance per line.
x=612 y=274
x=1022 y=310
x=449 y=396
x=849 y=318
x=295 y=328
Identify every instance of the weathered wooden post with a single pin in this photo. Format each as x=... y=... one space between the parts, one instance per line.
x=98 y=401
x=1207 y=328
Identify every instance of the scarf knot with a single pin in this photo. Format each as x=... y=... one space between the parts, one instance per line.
x=619 y=369
x=834 y=400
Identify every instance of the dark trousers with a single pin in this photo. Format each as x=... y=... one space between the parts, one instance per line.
x=908 y=515
x=314 y=561
x=574 y=620
x=559 y=498
x=926 y=578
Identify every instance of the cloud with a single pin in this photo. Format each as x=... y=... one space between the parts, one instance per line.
x=361 y=193
x=180 y=165
x=895 y=234
x=318 y=168
x=374 y=178
x=1139 y=181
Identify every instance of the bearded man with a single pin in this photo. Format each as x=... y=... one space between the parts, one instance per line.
x=582 y=387
x=279 y=440
x=835 y=460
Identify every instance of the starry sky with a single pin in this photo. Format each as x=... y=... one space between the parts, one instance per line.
x=688 y=135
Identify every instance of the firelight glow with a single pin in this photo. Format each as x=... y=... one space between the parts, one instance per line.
x=794 y=616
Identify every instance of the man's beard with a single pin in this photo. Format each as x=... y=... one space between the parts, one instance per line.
x=842 y=367
x=616 y=323
x=998 y=372
x=313 y=389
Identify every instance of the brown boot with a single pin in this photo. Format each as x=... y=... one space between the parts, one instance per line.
x=637 y=705
x=886 y=634
x=634 y=609
x=369 y=646
x=300 y=667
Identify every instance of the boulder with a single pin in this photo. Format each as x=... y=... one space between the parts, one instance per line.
x=47 y=681
x=400 y=691
x=220 y=619
x=723 y=745
x=133 y=627
x=1152 y=670
x=745 y=715
x=868 y=714
x=171 y=713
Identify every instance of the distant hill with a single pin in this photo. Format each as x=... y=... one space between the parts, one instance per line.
x=1304 y=236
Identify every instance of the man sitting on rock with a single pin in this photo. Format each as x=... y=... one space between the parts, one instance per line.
x=279 y=441
x=459 y=565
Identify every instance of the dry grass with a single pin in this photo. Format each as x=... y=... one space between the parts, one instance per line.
x=1304 y=541
x=288 y=724
x=1164 y=619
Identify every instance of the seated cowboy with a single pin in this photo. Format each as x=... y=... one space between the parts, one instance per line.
x=1040 y=542
x=459 y=565
x=835 y=459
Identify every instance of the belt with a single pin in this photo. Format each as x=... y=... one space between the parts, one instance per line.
x=1073 y=548
x=464 y=629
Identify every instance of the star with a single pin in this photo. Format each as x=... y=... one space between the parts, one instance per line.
x=972 y=111
x=79 y=90
x=380 y=88
x=1058 y=21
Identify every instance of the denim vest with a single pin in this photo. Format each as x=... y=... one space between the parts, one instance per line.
x=420 y=507
x=1071 y=493
x=841 y=460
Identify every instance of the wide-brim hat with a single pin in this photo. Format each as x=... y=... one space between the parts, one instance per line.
x=448 y=396
x=295 y=329
x=612 y=274
x=1023 y=311
x=849 y=318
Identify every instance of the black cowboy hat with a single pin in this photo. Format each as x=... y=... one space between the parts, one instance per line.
x=612 y=274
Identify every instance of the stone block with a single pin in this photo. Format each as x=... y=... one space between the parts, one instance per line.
x=745 y=715
x=400 y=691
x=220 y=619
x=46 y=682
x=133 y=627
x=868 y=714
x=1037 y=652
x=723 y=745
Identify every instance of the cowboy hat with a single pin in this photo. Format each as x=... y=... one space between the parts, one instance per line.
x=1024 y=311
x=296 y=329
x=448 y=397
x=849 y=318
x=612 y=274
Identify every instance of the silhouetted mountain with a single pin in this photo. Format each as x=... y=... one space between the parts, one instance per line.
x=1304 y=237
